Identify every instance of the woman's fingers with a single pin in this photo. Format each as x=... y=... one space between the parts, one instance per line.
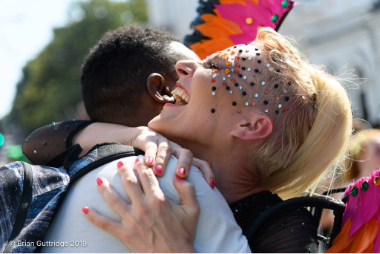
x=163 y=155
x=185 y=159
x=102 y=222
x=147 y=179
x=151 y=150
x=131 y=184
x=188 y=196
x=118 y=205
x=205 y=168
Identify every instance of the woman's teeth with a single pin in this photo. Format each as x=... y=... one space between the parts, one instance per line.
x=180 y=96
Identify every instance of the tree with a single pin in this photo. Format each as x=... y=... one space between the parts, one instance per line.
x=50 y=87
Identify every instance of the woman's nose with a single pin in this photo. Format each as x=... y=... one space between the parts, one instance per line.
x=185 y=68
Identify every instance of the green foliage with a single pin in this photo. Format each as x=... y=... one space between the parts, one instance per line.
x=50 y=87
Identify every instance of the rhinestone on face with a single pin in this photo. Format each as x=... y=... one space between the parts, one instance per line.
x=244 y=77
x=213 y=80
x=246 y=103
x=232 y=70
x=285 y=91
x=258 y=61
x=279 y=106
x=268 y=65
x=44 y=143
x=266 y=111
x=227 y=71
x=224 y=83
x=266 y=91
x=249 y=69
x=376 y=180
x=249 y=58
x=253 y=103
x=256 y=95
x=238 y=66
x=233 y=103
x=224 y=78
x=233 y=64
x=239 y=75
x=354 y=191
x=286 y=98
x=229 y=75
x=276 y=98
x=240 y=87
x=227 y=88
x=262 y=83
x=35 y=151
x=231 y=92
x=266 y=102
x=213 y=75
x=256 y=70
x=243 y=68
x=244 y=93
x=277 y=112
x=364 y=186
x=213 y=93
x=212 y=110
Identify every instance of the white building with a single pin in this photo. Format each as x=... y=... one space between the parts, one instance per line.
x=334 y=33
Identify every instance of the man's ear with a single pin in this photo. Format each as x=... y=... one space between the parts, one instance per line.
x=253 y=126
x=156 y=84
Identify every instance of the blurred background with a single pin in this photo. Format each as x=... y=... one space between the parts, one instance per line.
x=43 y=44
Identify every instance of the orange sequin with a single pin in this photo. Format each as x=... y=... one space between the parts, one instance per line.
x=227 y=71
x=237 y=58
x=284 y=110
x=233 y=80
x=212 y=80
x=236 y=72
x=215 y=70
x=224 y=83
x=249 y=21
x=224 y=54
x=238 y=66
x=376 y=180
x=253 y=103
x=226 y=57
x=282 y=81
x=232 y=52
x=228 y=49
x=228 y=63
x=272 y=78
x=276 y=98
x=266 y=91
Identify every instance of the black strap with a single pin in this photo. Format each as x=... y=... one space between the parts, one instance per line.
x=24 y=206
x=59 y=160
x=72 y=156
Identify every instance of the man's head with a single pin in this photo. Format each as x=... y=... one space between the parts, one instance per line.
x=128 y=75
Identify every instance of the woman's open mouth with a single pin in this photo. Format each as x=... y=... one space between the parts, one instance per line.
x=180 y=96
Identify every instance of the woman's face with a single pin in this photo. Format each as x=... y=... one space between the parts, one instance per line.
x=210 y=95
x=370 y=155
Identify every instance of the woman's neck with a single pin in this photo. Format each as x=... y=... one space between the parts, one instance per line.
x=234 y=171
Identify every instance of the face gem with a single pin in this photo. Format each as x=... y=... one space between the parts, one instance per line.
x=289 y=83
x=278 y=70
x=262 y=83
x=284 y=110
x=277 y=111
x=257 y=54
x=235 y=47
x=230 y=92
x=228 y=63
x=237 y=58
x=282 y=81
x=272 y=78
x=303 y=97
x=266 y=102
x=246 y=103
x=228 y=49
x=256 y=95
x=224 y=78
x=240 y=51
x=239 y=112
x=227 y=71
x=224 y=83
x=239 y=75
x=249 y=58
x=226 y=57
x=266 y=91
x=285 y=91
x=249 y=69
x=213 y=75
x=244 y=77
x=227 y=88
x=253 y=103
x=233 y=103
x=224 y=54
x=243 y=58
x=238 y=66
x=286 y=98
x=213 y=93
x=232 y=52
x=256 y=49
x=236 y=84
x=213 y=80
x=268 y=65
x=252 y=84
x=214 y=71
x=266 y=111
x=240 y=87
x=232 y=70
x=243 y=68
x=233 y=64
x=256 y=70
x=244 y=93
x=276 y=98
x=233 y=80
x=213 y=88
x=212 y=110
x=229 y=75
x=276 y=85
x=279 y=106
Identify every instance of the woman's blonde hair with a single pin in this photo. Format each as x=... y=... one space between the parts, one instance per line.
x=313 y=135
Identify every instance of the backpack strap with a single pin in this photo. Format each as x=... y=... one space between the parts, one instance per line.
x=24 y=206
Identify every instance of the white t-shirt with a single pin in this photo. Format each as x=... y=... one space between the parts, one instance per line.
x=217 y=230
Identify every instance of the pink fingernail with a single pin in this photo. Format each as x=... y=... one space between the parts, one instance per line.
x=158 y=170
x=182 y=171
x=85 y=210
x=212 y=183
x=179 y=178
x=99 y=181
x=120 y=164
x=137 y=160
x=150 y=160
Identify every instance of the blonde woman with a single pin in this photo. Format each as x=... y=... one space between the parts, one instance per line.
x=269 y=124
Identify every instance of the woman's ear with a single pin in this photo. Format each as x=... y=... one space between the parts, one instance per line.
x=253 y=127
x=156 y=87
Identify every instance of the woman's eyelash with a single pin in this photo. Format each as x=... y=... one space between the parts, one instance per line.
x=212 y=65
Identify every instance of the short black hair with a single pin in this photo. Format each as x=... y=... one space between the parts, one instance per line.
x=115 y=72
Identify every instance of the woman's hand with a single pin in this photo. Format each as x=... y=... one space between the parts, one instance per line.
x=158 y=150
x=151 y=223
